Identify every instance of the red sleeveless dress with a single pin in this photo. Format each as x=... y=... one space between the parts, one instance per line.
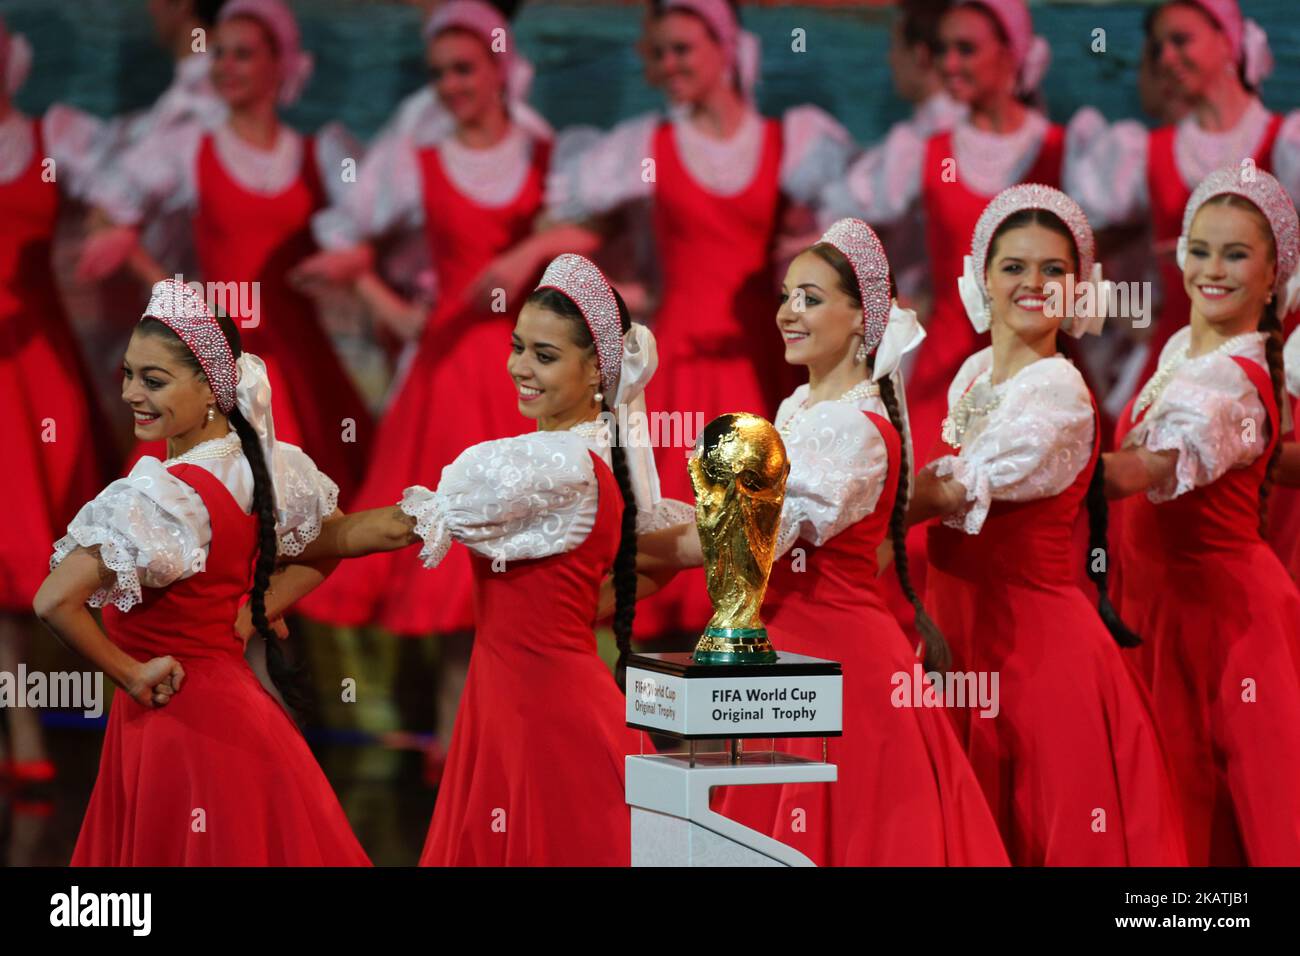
x=219 y=776
x=951 y=211
x=1220 y=621
x=1072 y=765
x=243 y=237
x=719 y=350
x=906 y=795
x=535 y=772
x=50 y=427
x=455 y=394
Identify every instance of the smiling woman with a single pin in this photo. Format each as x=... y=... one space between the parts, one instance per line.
x=1198 y=448
x=222 y=777
x=1071 y=764
x=545 y=516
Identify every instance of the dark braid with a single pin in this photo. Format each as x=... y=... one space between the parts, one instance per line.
x=1098 y=523
x=624 y=568
x=1271 y=324
x=625 y=559
x=287 y=679
x=937 y=655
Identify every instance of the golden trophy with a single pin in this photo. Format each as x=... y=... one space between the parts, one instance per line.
x=738 y=471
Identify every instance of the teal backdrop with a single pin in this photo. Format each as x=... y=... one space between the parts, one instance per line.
x=100 y=55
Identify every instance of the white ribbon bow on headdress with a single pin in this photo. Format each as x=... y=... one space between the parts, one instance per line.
x=972 y=296
x=902 y=334
x=1257 y=58
x=253 y=399
x=639 y=362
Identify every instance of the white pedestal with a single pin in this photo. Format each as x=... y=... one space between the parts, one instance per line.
x=672 y=824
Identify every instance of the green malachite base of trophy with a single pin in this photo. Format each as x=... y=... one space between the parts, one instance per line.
x=734 y=645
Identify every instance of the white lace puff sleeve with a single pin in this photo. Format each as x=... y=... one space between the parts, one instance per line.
x=1106 y=168
x=838 y=466
x=531 y=496
x=1210 y=414
x=1286 y=155
x=334 y=145
x=151 y=528
x=1035 y=442
x=1291 y=360
x=816 y=150
x=77 y=142
x=386 y=197
x=592 y=173
x=304 y=497
x=156 y=176
x=882 y=184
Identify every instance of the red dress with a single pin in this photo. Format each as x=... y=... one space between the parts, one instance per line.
x=535 y=772
x=460 y=367
x=222 y=745
x=49 y=428
x=951 y=211
x=1072 y=765
x=905 y=795
x=1221 y=623
x=242 y=236
x=719 y=350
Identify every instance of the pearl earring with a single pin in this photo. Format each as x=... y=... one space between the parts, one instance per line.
x=861 y=354
x=211 y=414
x=599 y=397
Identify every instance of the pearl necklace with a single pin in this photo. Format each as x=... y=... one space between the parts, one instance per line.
x=955 y=425
x=864 y=389
x=1156 y=385
x=225 y=447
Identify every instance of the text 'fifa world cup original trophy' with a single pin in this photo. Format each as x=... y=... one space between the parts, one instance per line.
x=738 y=470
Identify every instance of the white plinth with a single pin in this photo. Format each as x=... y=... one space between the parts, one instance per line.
x=672 y=824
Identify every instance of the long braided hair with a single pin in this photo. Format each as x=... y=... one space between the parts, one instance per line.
x=937 y=654
x=552 y=300
x=288 y=679
x=1097 y=559
x=1271 y=324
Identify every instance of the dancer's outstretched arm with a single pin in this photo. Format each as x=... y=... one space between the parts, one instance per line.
x=1134 y=470
x=359 y=534
x=659 y=556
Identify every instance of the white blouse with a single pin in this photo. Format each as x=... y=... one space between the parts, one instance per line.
x=1291 y=359
x=1204 y=414
x=1032 y=444
x=1106 y=167
x=72 y=139
x=152 y=529
x=838 y=466
x=524 y=497
x=884 y=183
x=388 y=194
x=593 y=173
x=159 y=174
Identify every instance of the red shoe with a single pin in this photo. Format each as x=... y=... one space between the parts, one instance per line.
x=32 y=771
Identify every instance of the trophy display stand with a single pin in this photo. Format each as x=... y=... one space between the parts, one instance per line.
x=674 y=696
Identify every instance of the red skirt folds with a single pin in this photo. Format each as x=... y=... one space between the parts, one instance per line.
x=905 y=794
x=1071 y=764
x=252 y=795
x=535 y=772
